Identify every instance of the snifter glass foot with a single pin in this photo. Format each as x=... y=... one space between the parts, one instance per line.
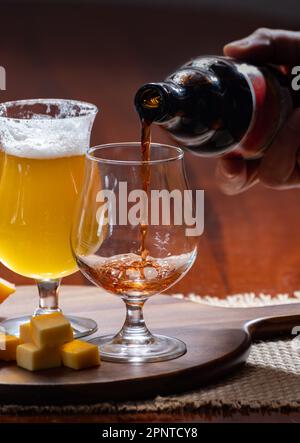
x=157 y=348
x=134 y=343
x=82 y=327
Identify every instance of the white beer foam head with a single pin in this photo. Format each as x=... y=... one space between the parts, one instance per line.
x=46 y=128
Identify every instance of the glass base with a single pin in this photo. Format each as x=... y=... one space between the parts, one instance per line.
x=82 y=327
x=159 y=348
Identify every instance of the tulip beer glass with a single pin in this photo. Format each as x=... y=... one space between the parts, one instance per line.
x=42 y=156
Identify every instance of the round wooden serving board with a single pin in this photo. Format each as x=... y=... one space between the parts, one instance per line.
x=218 y=341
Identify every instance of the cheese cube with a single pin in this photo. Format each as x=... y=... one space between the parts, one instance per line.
x=8 y=346
x=32 y=358
x=79 y=354
x=50 y=330
x=6 y=288
x=25 y=333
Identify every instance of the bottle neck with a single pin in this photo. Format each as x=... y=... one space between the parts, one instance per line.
x=159 y=102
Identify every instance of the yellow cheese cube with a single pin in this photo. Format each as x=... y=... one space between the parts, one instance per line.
x=6 y=289
x=50 y=330
x=8 y=346
x=25 y=333
x=79 y=354
x=30 y=357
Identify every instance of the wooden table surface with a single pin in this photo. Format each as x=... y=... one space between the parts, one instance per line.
x=102 y=54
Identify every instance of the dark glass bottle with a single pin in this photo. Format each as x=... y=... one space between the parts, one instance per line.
x=216 y=105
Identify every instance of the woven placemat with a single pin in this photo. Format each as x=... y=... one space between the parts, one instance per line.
x=270 y=380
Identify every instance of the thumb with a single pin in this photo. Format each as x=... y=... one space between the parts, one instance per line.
x=268 y=46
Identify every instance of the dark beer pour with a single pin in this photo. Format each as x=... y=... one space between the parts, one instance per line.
x=151 y=102
x=146 y=173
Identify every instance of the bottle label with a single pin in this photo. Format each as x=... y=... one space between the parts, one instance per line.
x=272 y=104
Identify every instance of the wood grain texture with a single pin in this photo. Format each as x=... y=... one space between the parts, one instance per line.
x=218 y=341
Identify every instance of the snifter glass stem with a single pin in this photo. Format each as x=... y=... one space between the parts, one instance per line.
x=48 y=293
x=134 y=330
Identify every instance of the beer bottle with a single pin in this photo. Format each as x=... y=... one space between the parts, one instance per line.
x=217 y=105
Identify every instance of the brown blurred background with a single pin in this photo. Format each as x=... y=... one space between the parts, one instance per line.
x=102 y=52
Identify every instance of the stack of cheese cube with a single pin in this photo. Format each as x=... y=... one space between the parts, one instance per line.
x=47 y=342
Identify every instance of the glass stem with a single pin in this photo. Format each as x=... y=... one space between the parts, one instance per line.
x=134 y=330
x=48 y=293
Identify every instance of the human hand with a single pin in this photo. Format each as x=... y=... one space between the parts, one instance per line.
x=280 y=165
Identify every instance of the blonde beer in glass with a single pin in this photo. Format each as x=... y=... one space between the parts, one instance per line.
x=37 y=204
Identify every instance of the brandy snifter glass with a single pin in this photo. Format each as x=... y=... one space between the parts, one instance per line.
x=127 y=243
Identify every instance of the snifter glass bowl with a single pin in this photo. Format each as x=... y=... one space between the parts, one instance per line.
x=107 y=238
x=42 y=158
